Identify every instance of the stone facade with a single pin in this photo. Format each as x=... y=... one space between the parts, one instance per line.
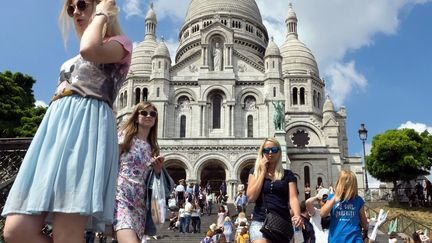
x=219 y=100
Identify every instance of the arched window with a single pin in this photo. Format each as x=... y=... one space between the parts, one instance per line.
x=145 y=94
x=306 y=175
x=121 y=101
x=250 y=126
x=137 y=95
x=319 y=100
x=314 y=98
x=159 y=66
x=273 y=64
x=319 y=182
x=157 y=91
x=125 y=99
x=183 y=126
x=217 y=105
x=274 y=91
x=294 y=96
x=302 y=96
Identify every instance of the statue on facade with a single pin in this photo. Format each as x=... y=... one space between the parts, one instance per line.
x=278 y=117
x=217 y=57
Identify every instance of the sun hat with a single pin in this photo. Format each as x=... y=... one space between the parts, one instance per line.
x=323 y=194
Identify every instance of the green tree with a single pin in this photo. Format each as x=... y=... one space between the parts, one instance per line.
x=18 y=115
x=400 y=155
x=30 y=121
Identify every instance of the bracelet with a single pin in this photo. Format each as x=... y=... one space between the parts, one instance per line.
x=101 y=12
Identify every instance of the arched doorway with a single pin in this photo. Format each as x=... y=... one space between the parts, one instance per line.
x=176 y=172
x=214 y=173
x=244 y=172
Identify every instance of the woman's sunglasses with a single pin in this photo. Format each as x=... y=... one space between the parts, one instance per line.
x=274 y=150
x=81 y=5
x=147 y=113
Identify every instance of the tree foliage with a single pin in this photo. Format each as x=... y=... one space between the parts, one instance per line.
x=400 y=155
x=18 y=115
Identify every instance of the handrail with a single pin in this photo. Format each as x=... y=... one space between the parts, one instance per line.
x=405 y=224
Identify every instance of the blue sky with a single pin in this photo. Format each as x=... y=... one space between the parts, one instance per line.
x=375 y=55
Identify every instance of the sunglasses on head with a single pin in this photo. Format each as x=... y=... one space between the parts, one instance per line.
x=274 y=150
x=147 y=113
x=81 y=5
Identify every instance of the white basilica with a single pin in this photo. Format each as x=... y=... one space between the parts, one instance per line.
x=230 y=87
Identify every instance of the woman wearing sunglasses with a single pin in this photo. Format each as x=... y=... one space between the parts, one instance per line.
x=139 y=149
x=278 y=187
x=68 y=176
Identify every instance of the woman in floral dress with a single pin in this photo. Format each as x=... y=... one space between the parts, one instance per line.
x=138 y=149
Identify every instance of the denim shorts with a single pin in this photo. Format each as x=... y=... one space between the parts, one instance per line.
x=254 y=231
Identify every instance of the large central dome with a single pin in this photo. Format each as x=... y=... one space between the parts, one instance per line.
x=242 y=18
x=245 y=8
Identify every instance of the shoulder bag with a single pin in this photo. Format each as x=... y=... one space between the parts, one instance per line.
x=275 y=227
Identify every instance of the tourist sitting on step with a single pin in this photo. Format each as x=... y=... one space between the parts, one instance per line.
x=173 y=225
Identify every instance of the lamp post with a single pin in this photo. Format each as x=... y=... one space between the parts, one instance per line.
x=363 y=136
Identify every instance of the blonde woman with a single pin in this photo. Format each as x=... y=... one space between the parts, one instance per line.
x=139 y=150
x=270 y=182
x=348 y=221
x=69 y=173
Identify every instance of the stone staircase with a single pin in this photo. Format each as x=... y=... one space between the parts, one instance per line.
x=168 y=236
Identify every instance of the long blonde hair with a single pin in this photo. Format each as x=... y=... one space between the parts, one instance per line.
x=346 y=185
x=112 y=28
x=130 y=129
x=279 y=171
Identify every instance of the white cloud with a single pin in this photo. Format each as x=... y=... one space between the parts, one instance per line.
x=132 y=8
x=163 y=9
x=333 y=28
x=41 y=103
x=166 y=8
x=344 y=78
x=419 y=127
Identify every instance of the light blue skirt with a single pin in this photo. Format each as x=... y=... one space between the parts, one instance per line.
x=71 y=165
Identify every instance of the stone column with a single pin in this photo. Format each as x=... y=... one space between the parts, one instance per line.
x=280 y=136
x=231 y=190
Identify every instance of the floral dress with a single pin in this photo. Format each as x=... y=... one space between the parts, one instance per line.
x=130 y=208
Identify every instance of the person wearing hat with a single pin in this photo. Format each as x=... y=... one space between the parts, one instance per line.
x=320 y=225
x=208 y=237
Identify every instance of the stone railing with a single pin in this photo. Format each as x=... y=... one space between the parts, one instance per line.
x=12 y=151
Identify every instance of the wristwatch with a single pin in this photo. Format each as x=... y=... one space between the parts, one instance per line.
x=101 y=12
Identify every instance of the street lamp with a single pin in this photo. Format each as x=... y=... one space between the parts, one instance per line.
x=363 y=136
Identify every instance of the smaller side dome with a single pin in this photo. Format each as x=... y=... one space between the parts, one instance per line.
x=328 y=105
x=151 y=15
x=162 y=50
x=272 y=49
